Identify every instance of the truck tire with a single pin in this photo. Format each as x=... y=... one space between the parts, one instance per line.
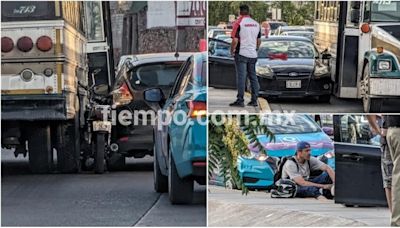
x=180 y=190
x=160 y=181
x=40 y=150
x=99 y=153
x=370 y=105
x=68 y=146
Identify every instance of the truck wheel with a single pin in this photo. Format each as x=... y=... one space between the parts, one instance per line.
x=371 y=105
x=100 y=145
x=160 y=181
x=180 y=190
x=68 y=148
x=40 y=150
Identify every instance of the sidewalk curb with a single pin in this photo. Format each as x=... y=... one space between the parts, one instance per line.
x=263 y=105
x=235 y=214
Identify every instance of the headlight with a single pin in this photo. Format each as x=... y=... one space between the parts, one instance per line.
x=264 y=71
x=384 y=65
x=262 y=157
x=250 y=156
x=321 y=71
x=258 y=156
x=329 y=154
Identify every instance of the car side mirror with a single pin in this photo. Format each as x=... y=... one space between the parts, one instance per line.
x=328 y=130
x=326 y=56
x=153 y=95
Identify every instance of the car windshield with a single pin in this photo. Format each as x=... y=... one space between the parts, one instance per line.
x=286 y=49
x=385 y=11
x=290 y=124
x=159 y=74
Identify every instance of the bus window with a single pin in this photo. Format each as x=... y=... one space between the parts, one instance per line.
x=27 y=10
x=94 y=21
x=385 y=11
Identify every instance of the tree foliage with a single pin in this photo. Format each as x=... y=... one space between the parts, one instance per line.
x=220 y=10
x=229 y=141
x=294 y=14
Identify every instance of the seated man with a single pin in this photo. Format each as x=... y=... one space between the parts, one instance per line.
x=299 y=169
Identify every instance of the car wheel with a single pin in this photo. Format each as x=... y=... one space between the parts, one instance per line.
x=160 y=181
x=180 y=190
x=325 y=98
x=370 y=105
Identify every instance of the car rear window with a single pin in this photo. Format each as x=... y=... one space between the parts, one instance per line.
x=282 y=49
x=159 y=74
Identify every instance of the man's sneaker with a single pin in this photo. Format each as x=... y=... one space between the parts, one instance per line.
x=333 y=190
x=252 y=103
x=321 y=197
x=237 y=104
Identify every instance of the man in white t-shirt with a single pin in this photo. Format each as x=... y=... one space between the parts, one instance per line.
x=299 y=170
x=246 y=38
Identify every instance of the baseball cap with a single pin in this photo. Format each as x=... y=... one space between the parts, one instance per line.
x=303 y=145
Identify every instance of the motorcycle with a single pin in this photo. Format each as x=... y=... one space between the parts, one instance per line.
x=98 y=127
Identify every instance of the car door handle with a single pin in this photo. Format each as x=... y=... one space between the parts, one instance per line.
x=353 y=156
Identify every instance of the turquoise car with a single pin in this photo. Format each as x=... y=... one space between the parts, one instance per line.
x=257 y=171
x=180 y=133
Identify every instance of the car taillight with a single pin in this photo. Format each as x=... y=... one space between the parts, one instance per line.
x=122 y=95
x=25 y=44
x=197 y=108
x=7 y=44
x=44 y=43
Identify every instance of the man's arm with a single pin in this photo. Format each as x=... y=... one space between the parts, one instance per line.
x=330 y=172
x=234 y=45
x=258 y=43
x=300 y=181
x=373 y=124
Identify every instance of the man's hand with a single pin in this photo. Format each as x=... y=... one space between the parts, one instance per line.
x=327 y=186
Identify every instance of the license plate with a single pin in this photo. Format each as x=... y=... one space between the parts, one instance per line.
x=293 y=84
x=102 y=126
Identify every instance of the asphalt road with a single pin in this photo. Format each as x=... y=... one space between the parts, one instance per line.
x=219 y=99
x=123 y=198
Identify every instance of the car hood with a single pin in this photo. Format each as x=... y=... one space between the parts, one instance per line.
x=285 y=144
x=289 y=65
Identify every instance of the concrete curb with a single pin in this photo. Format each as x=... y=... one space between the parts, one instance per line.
x=263 y=105
x=221 y=213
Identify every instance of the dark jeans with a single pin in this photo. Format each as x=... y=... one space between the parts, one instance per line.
x=312 y=191
x=246 y=67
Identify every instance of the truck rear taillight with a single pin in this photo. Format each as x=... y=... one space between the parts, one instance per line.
x=122 y=95
x=7 y=44
x=44 y=43
x=197 y=109
x=25 y=44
